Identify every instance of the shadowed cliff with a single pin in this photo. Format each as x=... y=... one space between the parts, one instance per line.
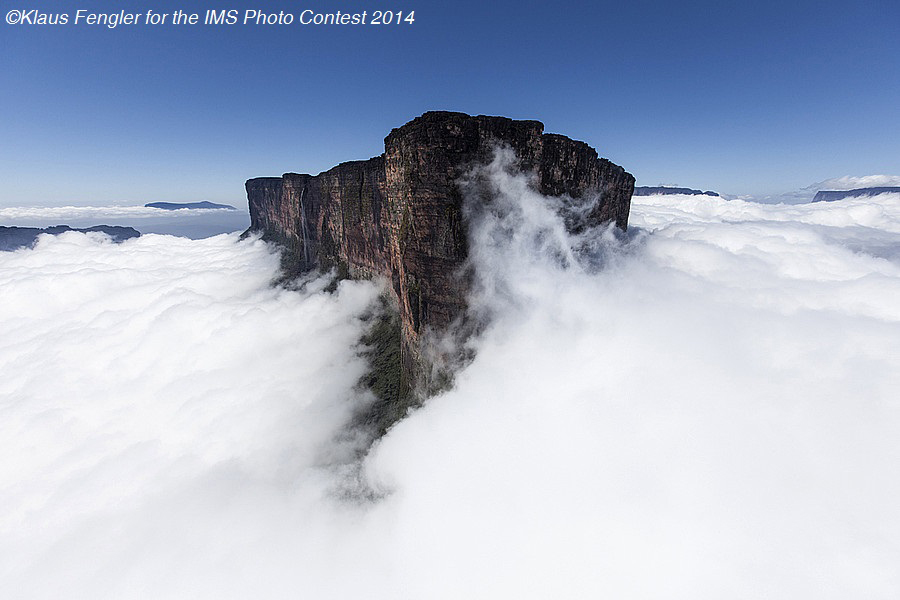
x=400 y=216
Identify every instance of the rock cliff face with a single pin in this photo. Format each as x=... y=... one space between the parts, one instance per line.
x=832 y=195
x=400 y=216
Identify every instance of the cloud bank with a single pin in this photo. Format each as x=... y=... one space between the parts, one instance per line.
x=161 y=402
x=184 y=222
x=849 y=182
x=704 y=408
x=71 y=213
x=806 y=194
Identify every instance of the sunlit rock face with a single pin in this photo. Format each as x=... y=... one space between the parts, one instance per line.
x=401 y=215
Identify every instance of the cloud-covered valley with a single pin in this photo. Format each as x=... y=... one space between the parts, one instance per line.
x=704 y=408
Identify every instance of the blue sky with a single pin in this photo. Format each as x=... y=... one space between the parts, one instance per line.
x=740 y=97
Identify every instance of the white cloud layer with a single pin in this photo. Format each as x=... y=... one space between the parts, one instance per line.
x=64 y=214
x=849 y=182
x=806 y=194
x=161 y=406
x=185 y=222
x=707 y=409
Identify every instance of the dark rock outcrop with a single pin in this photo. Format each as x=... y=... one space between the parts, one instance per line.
x=662 y=190
x=189 y=205
x=400 y=215
x=13 y=238
x=832 y=195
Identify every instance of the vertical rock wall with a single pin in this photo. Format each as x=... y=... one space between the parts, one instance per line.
x=399 y=215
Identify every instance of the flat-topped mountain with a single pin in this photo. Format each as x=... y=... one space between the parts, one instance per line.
x=832 y=195
x=662 y=190
x=189 y=205
x=13 y=238
x=400 y=216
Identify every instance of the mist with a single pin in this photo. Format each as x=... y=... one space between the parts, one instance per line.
x=704 y=407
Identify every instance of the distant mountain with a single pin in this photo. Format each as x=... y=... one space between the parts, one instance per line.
x=191 y=205
x=665 y=190
x=832 y=195
x=13 y=238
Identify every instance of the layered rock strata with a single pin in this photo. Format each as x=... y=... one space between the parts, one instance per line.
x=400 y=215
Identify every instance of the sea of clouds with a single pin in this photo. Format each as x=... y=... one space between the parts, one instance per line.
x=705 y=407
x=192 y=223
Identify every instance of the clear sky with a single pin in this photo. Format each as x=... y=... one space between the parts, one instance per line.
x=740 y=97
